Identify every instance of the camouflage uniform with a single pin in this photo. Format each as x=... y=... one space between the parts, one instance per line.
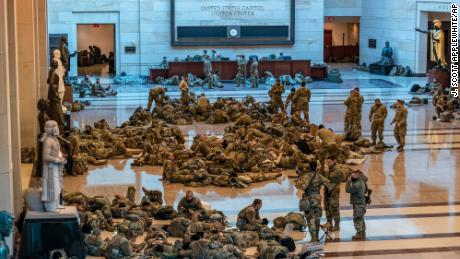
x=332 y=199
x=302 y=100
x=311 y=184
x=357 y=189
x=377 y=115
x=401 y=125
x=329 y=147
x=353 y=117
x=184 y=89
x=290 y=100
x=249 y=219
x=255 y=74
x=186 y=207
x=275 y=94
x=241 y=75
x=156 y=94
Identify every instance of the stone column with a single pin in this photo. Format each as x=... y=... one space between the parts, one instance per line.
x=32 y=61
x=14 y=106
x=6 y=114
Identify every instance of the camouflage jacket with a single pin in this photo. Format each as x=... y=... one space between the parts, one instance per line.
x=250 y=215
x=185 y=205
x=378 y=113
x=311 y=184
x=277 y=90
x=400 y=116
x=302 y=95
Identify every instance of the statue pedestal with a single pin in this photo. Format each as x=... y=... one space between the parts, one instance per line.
x=442 y=77
x=44 y=232
x=380 y=69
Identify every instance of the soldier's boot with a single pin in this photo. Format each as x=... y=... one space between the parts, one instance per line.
x=373 y=141
x=336 y=226
x=360 y=236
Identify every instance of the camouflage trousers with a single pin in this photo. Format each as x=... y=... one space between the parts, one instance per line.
x=243 y=225
x=277 y=103
x=359 y=210
x=184 y=98
x=240 y=79
x=314 y=215
x=400 y=134
x=303 y=108
x=351 y=119
x=332 y=203
x=377 y=127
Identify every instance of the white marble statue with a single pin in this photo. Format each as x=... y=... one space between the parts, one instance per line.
x=60 y=71
x=53 y=164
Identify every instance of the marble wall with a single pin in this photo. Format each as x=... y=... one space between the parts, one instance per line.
x=146 y=25
x=395 y=21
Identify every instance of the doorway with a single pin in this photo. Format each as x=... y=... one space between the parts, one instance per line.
x=96 y=49
x=341 y=39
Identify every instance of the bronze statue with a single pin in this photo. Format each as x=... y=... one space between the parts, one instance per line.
x=54 y=108
x=437 y=39
x=387 y=56
x=65 y=55
x=6 y=226
x=42 y=106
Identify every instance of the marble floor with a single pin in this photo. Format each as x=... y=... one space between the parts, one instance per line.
x=416 y=200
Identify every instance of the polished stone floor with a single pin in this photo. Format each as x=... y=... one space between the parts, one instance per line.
x=416 y=199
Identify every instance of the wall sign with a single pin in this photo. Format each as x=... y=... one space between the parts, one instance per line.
x=232 y=22
x=372 y=43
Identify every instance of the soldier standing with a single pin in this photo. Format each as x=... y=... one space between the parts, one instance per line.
x=353 y=115
x=156 y=94
x=347 y=120
x=241 y=75
x=189 y=205
x=312 y=199
x=207 y=70
x=401 y=124
x=377 y=116
x=249 y=217
x=332 y=199
x=275 y=95
x=184 y=89
x=360 y=106
x=255 y=73
x=356 y=186
x=290 y=100
x=302 y=100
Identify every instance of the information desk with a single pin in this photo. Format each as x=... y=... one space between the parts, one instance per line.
x=228 y=69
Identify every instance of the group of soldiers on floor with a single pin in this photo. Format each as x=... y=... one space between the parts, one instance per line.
x=199 y=232
x=86 y=87
x=445 y=104
x=202 y=232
